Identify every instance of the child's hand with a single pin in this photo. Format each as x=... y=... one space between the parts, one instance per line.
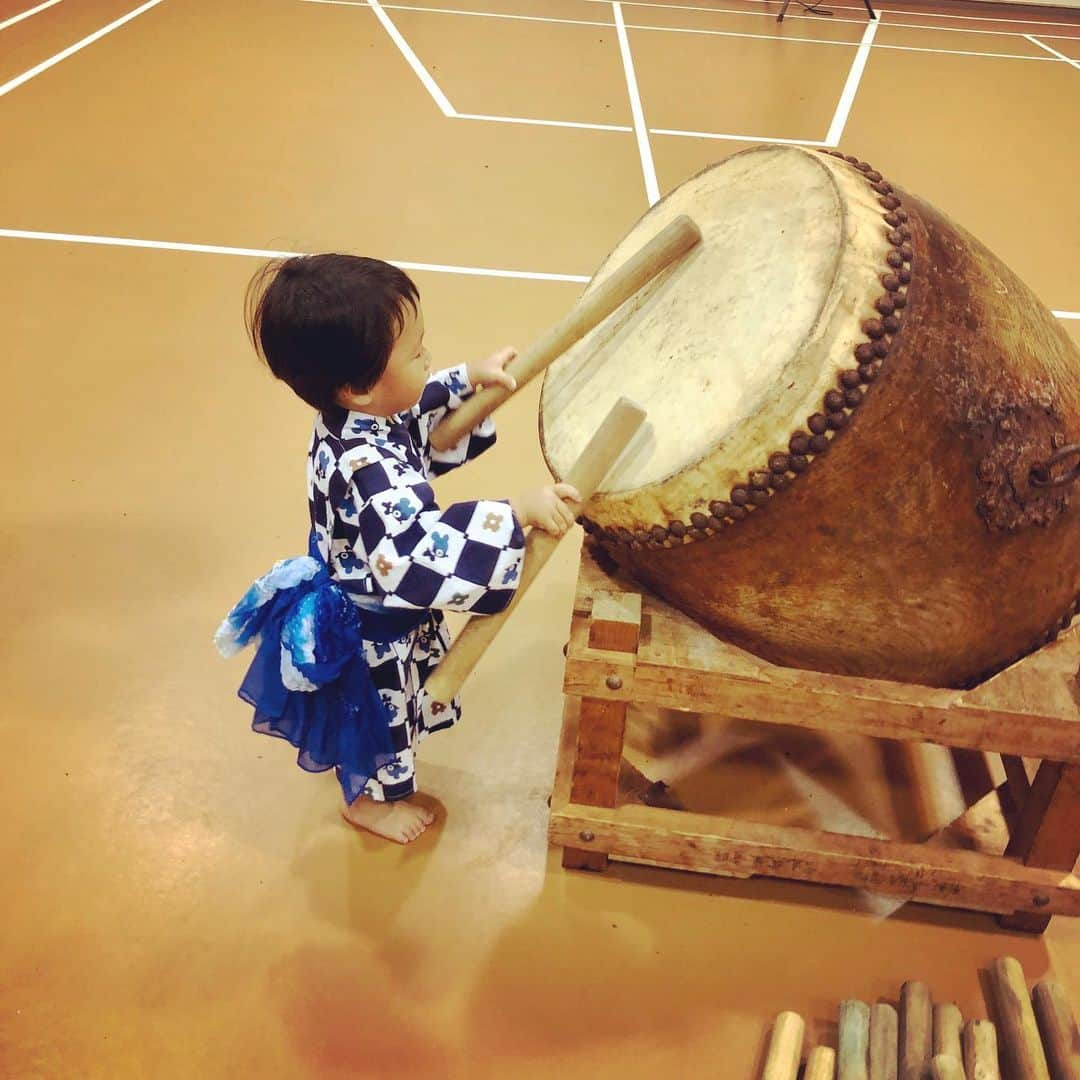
x=489 y=371
x=546 y=509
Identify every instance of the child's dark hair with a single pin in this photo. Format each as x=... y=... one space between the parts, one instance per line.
x=322 y=322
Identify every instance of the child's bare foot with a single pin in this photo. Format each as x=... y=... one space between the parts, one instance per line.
x=400 y=821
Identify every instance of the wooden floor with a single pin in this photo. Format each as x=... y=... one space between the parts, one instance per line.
x=181 y=900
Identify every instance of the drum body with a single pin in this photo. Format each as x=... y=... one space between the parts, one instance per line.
x=854 y=408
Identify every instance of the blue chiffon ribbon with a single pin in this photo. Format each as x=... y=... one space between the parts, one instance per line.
x=309 y=681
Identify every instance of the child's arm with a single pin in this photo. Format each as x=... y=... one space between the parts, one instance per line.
x=444 y=392
x=464 y=558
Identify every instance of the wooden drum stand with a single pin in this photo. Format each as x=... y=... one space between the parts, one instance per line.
x=627 y=647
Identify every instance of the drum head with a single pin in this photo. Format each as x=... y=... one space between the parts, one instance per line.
x=727 y=334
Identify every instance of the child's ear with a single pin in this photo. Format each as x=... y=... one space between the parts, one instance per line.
x=348 y=397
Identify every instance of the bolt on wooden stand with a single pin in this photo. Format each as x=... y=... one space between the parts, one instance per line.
x=627 y=647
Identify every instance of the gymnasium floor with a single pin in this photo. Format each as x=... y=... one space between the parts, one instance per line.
x=181 y=900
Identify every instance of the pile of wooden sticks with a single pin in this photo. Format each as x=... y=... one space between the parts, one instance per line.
x=1034 y=1038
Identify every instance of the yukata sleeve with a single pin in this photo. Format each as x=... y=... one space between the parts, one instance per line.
x=464 y=558
x=444 y=392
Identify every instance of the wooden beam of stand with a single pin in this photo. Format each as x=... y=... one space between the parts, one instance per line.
x=1048 y=835
x=669 y=244
x=615 y=625
x=837 y=703
x=711 y=844
x=1017 y=776
x=1046 y=832
x=596 y=461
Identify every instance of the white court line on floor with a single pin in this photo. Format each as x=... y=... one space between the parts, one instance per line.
x=542 y=123
x=266 y=253
x=840 y=116
x=1062 y=56
x=955 y=29
x=776 y=36
x=26 y=76
x=261 y=253
x=819 y=18
x=642 y=131
x=844 y=44
x=26 y=14
x=679 y=7
x=648 y=168
x=851 y=87
x=459 y=11
x=965 y=18
x=898 y=11
x=412 y=59
x=718 y=33
x=433 y=88
x=965 y=52
x=734 y=138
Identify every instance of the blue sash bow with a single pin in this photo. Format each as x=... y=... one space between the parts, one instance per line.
x=309 y=681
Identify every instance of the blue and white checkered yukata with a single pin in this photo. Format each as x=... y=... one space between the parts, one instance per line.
x=348 y=634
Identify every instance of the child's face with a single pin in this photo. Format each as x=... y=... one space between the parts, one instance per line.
x=406 y=372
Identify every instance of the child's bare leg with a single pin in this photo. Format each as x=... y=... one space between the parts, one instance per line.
x=401 y=821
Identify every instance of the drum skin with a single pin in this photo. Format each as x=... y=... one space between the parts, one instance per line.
x=908 y=541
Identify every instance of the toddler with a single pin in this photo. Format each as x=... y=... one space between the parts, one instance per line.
x=348 y=634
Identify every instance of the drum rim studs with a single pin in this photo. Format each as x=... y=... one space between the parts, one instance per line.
x=783 y=466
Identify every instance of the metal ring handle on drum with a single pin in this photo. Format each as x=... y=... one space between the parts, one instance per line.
x=1040 y=474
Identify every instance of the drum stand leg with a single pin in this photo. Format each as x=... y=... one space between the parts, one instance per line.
x=1047 y=834
x=616 y=627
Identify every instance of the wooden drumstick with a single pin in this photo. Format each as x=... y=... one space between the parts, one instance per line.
x=852 y=1055
x=1060 y=1035
x=947 y=1026
x=1019 y=1032
x=884 y=1047
x=916 y=1031
x=946 y=1067
x=669 y=244
x=821 y=1064
x=785 y=1048
x=980 y=1051
x=596 y=461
